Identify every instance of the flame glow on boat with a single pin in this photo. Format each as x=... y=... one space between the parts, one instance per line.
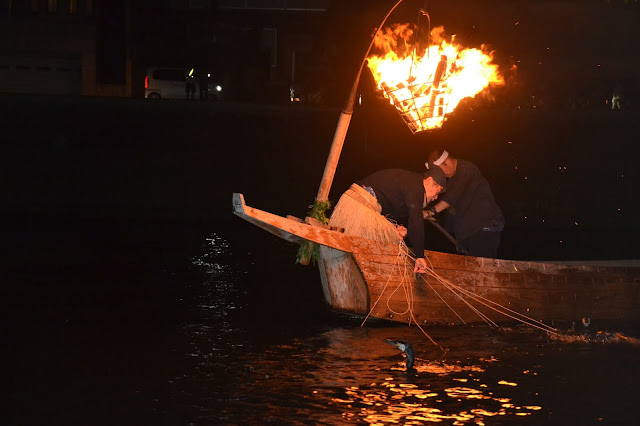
x=425 y=86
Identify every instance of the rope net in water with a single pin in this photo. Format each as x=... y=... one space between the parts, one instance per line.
x=404 y=265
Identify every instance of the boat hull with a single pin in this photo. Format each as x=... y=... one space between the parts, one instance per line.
x=367 y=278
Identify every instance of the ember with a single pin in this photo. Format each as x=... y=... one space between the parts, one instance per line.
x=425 y=86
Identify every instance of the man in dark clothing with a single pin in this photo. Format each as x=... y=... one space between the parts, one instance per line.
x=190 y=88
x=204 y=85
x=403 y=194
x=476 y=219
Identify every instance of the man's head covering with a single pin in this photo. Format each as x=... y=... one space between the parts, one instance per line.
x=441 y=159
x=437 y=174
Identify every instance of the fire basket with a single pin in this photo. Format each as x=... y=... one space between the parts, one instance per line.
x=422 y=106
x=423 y=87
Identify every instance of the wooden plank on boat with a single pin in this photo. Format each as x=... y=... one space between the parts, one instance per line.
x=565 y=293
x=315 y=222
x=295 y=218
x=352 y=294
x=561 y=302
x=292 y=230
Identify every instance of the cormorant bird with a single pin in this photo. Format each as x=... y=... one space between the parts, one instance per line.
x=406 y=349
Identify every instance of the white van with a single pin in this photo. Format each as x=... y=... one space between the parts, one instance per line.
x=170 y=83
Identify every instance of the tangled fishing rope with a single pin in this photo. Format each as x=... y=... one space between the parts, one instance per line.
x=403 y=261
x=402 y=256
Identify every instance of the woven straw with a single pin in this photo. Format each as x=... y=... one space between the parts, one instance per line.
x=358 y=213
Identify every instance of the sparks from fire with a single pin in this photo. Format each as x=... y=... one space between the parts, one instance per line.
x=425 y=86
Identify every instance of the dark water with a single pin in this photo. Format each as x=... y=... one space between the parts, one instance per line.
x=178 y=324
x=131 y=295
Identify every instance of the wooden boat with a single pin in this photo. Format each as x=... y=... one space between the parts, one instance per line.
x=367 y=278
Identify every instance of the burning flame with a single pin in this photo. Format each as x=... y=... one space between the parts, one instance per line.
x=425 y=86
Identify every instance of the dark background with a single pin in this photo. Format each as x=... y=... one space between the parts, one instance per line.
x=565 y=179
x=122 y=255
x=113 y=208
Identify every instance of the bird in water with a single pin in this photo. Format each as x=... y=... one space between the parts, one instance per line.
x=406 y=349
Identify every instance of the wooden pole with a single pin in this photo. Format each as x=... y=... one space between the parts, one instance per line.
x=444 y=232
x=343 y=125
x=336 y=145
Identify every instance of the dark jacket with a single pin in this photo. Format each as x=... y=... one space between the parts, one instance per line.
x=473 y=207
x=401 y=195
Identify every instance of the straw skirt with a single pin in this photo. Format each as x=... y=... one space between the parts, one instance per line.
x=359 y=213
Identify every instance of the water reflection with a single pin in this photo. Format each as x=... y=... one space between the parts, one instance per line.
x=598 y=336
x=218 y=293
x=212 y=331
x=420 y=397
x=356 y=377
x=322 y=374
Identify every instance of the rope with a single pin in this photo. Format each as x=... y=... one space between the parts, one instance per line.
x=459 y=292
x=401 y=261
x=510 y=313
x=403 y=253
x=401 y=247
x=480 y=314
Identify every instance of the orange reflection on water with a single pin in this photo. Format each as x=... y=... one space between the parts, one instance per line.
x=466 y=393
x=395 y=400
x=444 y=368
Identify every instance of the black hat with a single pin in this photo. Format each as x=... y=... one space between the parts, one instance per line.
x=437 y=174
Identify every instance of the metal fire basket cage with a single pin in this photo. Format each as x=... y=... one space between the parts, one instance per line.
x=422 y=106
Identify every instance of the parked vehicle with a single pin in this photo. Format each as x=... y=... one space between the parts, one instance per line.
x=171 y=83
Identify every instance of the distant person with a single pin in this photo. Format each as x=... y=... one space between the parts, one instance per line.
x=395 y=194
x=472 y=213
x=204 y=86
x=616 y=99
x=190 y=88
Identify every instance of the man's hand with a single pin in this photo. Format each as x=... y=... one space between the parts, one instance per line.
x=421 y=266
x=402 y=231
x=428 y=214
